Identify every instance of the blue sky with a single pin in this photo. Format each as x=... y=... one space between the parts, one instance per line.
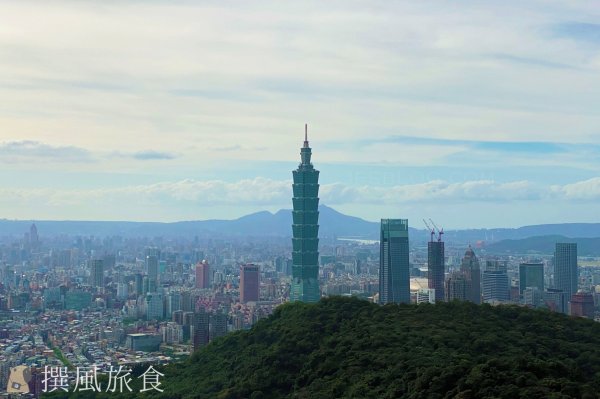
x=474 y=114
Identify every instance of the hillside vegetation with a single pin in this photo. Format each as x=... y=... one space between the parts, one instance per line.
x=348 y=348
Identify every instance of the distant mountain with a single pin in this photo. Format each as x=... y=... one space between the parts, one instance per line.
x=266 y=224
x=583 y=230
x=544 y=245
x=332 y=224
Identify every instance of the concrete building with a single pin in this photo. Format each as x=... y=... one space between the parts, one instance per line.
x=201 y=329
x=470 y=268
x=457 y=287
x=218 y=325
x=495 y=282
x=249 y=283
x=172 y=333
x=555 y=300
x=203 y=275
x=97 y=273
x=426 y=295
x=532 y=296
x=154 y=306
x=152 y=267
x=582 y=305
x=122 y=291
x=143 y=342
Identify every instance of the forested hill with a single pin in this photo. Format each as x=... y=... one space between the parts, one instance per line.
x=348 y=348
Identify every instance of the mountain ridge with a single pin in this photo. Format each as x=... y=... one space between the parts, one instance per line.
x=265 y=224
x=538 y=245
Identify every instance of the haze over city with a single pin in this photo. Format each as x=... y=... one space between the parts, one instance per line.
x=479 y=115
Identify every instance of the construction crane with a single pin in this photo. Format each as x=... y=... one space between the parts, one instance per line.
x=440 y=232
x=431 y=231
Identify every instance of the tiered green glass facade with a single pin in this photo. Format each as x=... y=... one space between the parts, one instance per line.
x=305 y=229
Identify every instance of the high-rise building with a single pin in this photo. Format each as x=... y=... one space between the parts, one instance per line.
x=187 y=304
x=249 y=283
x=203 y=275
x=531 y=274
x=152 y=267
x=305 y=229
x=172 y=333
x=201 y=329
x=555 y=300
x=218 y=325
x=457 y=287
x=582 y=305
x=153 y=251
x=565 y=268
x=532 y=296
x=148 y=285
x=122 y=290
x=139 y=284
x=495 y=282
x=97 y=273
x=435 y=268
x=177 y=316
x=154 y=306
x=394 y=267
x=470 y=268
x=65 y=258
x=173 y=303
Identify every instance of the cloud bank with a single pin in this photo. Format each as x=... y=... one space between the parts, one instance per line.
x=268 y=192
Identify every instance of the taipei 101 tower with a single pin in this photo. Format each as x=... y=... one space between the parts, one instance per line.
x=305 y=229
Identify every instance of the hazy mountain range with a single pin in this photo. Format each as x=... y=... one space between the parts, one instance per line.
x=544 y=245
x=332 y=224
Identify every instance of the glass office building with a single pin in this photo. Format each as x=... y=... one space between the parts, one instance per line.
x=394 y=267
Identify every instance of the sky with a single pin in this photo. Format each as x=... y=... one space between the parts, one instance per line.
x=474 y=114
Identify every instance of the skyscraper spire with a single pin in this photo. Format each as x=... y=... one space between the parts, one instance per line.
x=305 y=151
x=306 y=135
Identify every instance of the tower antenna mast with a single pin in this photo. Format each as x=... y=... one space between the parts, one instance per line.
x=306 y=135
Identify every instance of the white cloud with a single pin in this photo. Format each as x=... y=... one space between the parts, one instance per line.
x=433 y=191
x=587 y=190
x=258 y=191
x=34 y=151
x=269 y=193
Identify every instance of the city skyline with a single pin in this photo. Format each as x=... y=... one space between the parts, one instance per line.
x=417 y=110
x=166 y=225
